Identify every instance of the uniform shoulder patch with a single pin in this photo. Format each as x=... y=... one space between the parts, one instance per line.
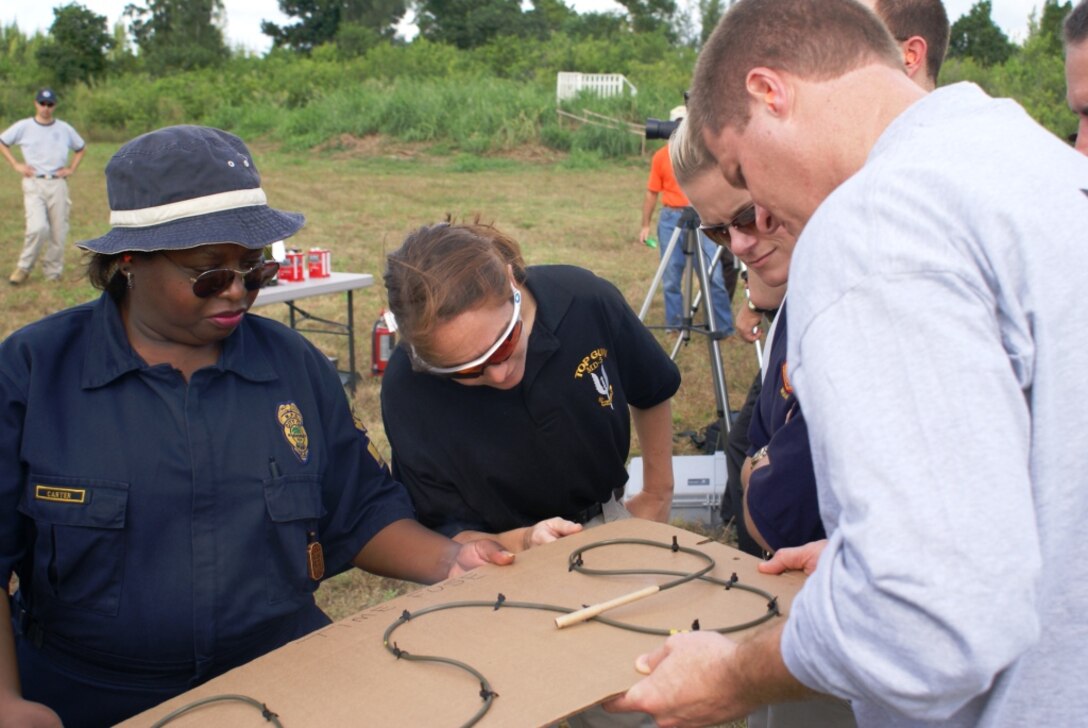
x=787 y=388
x=290 y=418
x=370 y=446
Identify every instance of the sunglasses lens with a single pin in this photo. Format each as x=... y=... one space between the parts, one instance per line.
x=263 y=273
x=745 y=219
x=212 y=282
x=504 y=352
x=718 y=234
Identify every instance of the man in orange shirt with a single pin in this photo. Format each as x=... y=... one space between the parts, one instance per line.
x=673 y=203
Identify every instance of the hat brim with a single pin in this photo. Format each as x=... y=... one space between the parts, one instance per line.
x=250 y=227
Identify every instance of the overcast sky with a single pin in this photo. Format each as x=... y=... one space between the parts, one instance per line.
x=244 y=16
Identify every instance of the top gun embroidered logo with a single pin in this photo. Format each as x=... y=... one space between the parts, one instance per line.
x=290 y=419
x=593 y=365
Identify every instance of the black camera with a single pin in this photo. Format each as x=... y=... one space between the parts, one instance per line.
x=660 y=129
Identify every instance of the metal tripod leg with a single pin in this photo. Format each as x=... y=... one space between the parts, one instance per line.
x=660 y=273
x=717 y=368
x=694 y=260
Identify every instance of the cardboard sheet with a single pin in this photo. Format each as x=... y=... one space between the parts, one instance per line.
x=343 y=675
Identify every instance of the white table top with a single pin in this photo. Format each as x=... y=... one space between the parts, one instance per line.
x=291 y=290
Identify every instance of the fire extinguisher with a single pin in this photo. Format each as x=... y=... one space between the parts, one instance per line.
x=382 y=340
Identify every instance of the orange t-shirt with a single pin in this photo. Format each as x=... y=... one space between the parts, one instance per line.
x=661 y=180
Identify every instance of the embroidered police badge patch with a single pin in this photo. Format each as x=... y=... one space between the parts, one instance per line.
x=290 y=419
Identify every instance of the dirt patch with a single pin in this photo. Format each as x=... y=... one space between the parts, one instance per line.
x=346 y=146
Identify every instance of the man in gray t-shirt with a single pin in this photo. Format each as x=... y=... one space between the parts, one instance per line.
x=45 y=143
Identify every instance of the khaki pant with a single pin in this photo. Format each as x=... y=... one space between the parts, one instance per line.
x=46 y=202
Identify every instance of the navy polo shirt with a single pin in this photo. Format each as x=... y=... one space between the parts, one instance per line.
x=781 y=496
x=161 y=527
x=487 y=459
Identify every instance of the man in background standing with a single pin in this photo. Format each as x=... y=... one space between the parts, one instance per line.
x=1075 y=32
x=45 y=143
x=673 y=201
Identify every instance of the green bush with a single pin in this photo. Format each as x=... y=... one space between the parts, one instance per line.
x=494 y=98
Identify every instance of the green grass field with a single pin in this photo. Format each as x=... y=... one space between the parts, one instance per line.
x=360 y=198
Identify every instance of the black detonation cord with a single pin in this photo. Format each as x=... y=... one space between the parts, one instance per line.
x=265 y=712
x=576 y=563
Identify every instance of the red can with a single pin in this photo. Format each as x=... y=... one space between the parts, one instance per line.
x=320 y=262
x=293 y=268
x=382 y=341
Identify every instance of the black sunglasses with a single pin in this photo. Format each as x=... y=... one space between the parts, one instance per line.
x=214 y=282
x=46 y=103
x=745 y=221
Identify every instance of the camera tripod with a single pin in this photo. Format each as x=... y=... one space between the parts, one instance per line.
x=696 y=267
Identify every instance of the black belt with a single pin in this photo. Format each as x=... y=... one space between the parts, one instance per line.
x=47 y=176
x=588 y=514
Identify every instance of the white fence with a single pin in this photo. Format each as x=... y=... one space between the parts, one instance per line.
x=568 y=84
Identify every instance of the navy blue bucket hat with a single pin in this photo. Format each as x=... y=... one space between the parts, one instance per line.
x=186 y=186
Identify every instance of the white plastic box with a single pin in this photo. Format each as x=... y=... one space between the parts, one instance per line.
x=699 y=484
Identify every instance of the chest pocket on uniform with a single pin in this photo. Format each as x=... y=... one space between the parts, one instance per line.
x=294 y=510
x=79 y=550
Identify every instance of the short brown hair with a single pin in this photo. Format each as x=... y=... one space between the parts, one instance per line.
x=925 y=18
x=811 y=39
x=441 y=271
x=1075 y=27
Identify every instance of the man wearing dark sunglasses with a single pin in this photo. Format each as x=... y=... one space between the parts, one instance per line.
x=45 y=143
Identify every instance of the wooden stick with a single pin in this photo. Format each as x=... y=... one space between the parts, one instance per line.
x=594 y=609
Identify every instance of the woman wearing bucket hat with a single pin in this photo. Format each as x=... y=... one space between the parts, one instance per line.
x=178 y=475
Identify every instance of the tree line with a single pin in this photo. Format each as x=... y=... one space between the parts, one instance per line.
x=167 y=61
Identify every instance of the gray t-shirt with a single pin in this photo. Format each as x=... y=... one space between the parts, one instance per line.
x=949 y=425
x=45 y=146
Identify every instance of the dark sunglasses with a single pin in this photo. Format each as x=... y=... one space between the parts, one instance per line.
x=214 y=282
x=499 y=352
x=46 y=103
x=745 y=221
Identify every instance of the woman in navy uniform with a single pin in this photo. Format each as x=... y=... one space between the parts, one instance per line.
x=178 y=475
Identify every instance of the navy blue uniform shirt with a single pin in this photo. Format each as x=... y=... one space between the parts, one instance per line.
x=487 y=459
x=161 y=527
x=781 y=495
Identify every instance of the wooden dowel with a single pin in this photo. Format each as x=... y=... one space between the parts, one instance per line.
x=594 y=609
